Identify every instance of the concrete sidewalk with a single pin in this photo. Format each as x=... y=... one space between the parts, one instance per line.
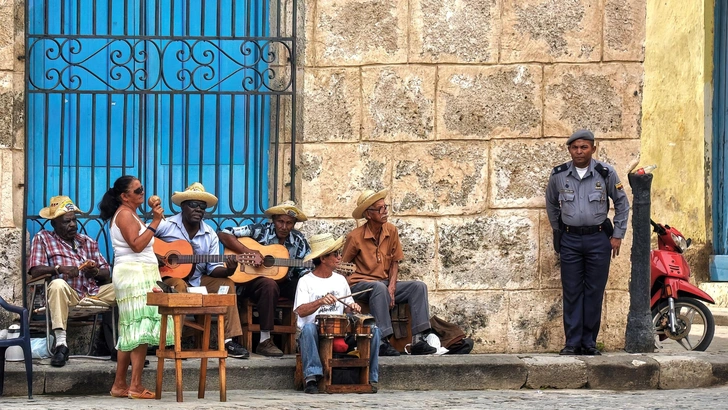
x=614 y=370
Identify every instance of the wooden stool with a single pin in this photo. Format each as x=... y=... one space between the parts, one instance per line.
x=328 y=362
x=287 y=329
x=179 y=305
x=401 y=324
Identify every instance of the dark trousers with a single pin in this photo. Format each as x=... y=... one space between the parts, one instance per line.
x=584 y=271
x=265 y=293
x=412 y=292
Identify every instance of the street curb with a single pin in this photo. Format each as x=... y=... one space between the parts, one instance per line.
x=612 y=371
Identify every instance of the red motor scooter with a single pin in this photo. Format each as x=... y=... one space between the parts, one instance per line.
x=681 y=320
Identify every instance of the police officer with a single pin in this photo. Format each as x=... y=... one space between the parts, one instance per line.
x=577 y=206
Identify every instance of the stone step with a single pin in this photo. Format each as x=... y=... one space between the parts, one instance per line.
x=613 y=371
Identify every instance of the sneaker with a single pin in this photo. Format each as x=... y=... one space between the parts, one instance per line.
x=375 y=386
x=386 y=349
x=269 y=349
x=311 y=387
x=422 y=348
x=235 y=350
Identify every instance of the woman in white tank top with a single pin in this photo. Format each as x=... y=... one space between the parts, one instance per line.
x=135 y=274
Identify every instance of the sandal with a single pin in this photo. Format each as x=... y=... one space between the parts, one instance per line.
x=146 y=394
x=124 y=393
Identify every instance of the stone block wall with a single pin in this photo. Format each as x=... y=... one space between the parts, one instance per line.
x=12 y=150
x=462 y=108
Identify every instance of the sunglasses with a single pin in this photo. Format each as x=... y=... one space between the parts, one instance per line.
x=139 y=190
x=196 y=204
x=336 y=253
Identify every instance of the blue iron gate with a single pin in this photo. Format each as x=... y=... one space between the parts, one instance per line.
x=172 y=91
x=719 y=262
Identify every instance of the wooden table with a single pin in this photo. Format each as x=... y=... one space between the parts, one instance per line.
x=179 y=305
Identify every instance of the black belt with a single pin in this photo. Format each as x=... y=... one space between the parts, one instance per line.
x=583 y=230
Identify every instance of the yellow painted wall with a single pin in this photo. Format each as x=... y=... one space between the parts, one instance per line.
x=676 y=112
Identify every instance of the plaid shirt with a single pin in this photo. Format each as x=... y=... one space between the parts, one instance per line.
x=265 y=234
x=48 y=249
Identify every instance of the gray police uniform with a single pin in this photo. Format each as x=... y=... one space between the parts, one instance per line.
x=577 y=209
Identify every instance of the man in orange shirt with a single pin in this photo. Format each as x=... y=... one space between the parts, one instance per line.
x=376 y=251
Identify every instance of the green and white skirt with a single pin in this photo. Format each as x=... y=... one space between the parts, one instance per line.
x=138 y=323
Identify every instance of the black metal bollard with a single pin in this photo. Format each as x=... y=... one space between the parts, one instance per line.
x=639 y=336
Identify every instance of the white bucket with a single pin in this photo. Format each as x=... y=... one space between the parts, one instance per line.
x=14 y=353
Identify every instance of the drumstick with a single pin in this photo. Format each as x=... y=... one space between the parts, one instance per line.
x=354 y=294
x=347 y=305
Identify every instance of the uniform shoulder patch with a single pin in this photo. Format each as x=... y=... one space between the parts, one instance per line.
x=560 y=168
x=619 y=185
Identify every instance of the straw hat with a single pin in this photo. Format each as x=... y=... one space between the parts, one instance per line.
x=366 y=199
x=60 y=205
x=286 y=208
x=194 y=192
x=322 y=244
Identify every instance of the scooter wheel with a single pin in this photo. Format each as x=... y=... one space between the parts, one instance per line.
x=695 y=327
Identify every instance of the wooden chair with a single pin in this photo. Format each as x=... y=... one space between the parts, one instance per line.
x=80 y=315
x=401 y=324
x=287 y=328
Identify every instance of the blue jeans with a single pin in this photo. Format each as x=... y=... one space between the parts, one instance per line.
x=308 y=345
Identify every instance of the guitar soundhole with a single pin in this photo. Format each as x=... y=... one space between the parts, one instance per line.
x=268 y=261
x=173 y=259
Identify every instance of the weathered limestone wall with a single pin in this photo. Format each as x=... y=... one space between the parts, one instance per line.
x=462 y=108
x=677 y=119
x=12 y=141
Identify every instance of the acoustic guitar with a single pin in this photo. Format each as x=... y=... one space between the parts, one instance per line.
x=179 y=258
x=275 y=264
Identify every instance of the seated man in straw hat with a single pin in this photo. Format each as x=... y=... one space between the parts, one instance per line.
x=317 y=294
x=265 y=291
x=189 y=226
x=60 y=253
x=376 y=251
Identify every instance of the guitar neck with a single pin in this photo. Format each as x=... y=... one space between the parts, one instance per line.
x=292 y=263
x=184 y=259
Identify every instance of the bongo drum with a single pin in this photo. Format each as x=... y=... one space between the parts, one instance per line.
x=362 y=324
x=332 y=325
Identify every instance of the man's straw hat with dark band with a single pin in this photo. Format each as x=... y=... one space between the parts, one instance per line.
x=366 y=199
x=194 y=192
x=286 y=208
x=323 y=244
x=60 y=205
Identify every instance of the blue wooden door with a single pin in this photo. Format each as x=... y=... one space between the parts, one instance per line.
x=719 y=262
x=171 y=91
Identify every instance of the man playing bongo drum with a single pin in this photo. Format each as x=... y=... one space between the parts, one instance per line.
x=316 y=294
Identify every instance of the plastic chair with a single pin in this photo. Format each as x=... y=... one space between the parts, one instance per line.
x=22 y=341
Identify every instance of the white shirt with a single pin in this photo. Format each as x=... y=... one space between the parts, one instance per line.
x=123 y=252
x=581 y=171
x=311 y=288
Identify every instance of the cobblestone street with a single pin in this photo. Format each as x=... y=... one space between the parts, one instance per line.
x=713 y=398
